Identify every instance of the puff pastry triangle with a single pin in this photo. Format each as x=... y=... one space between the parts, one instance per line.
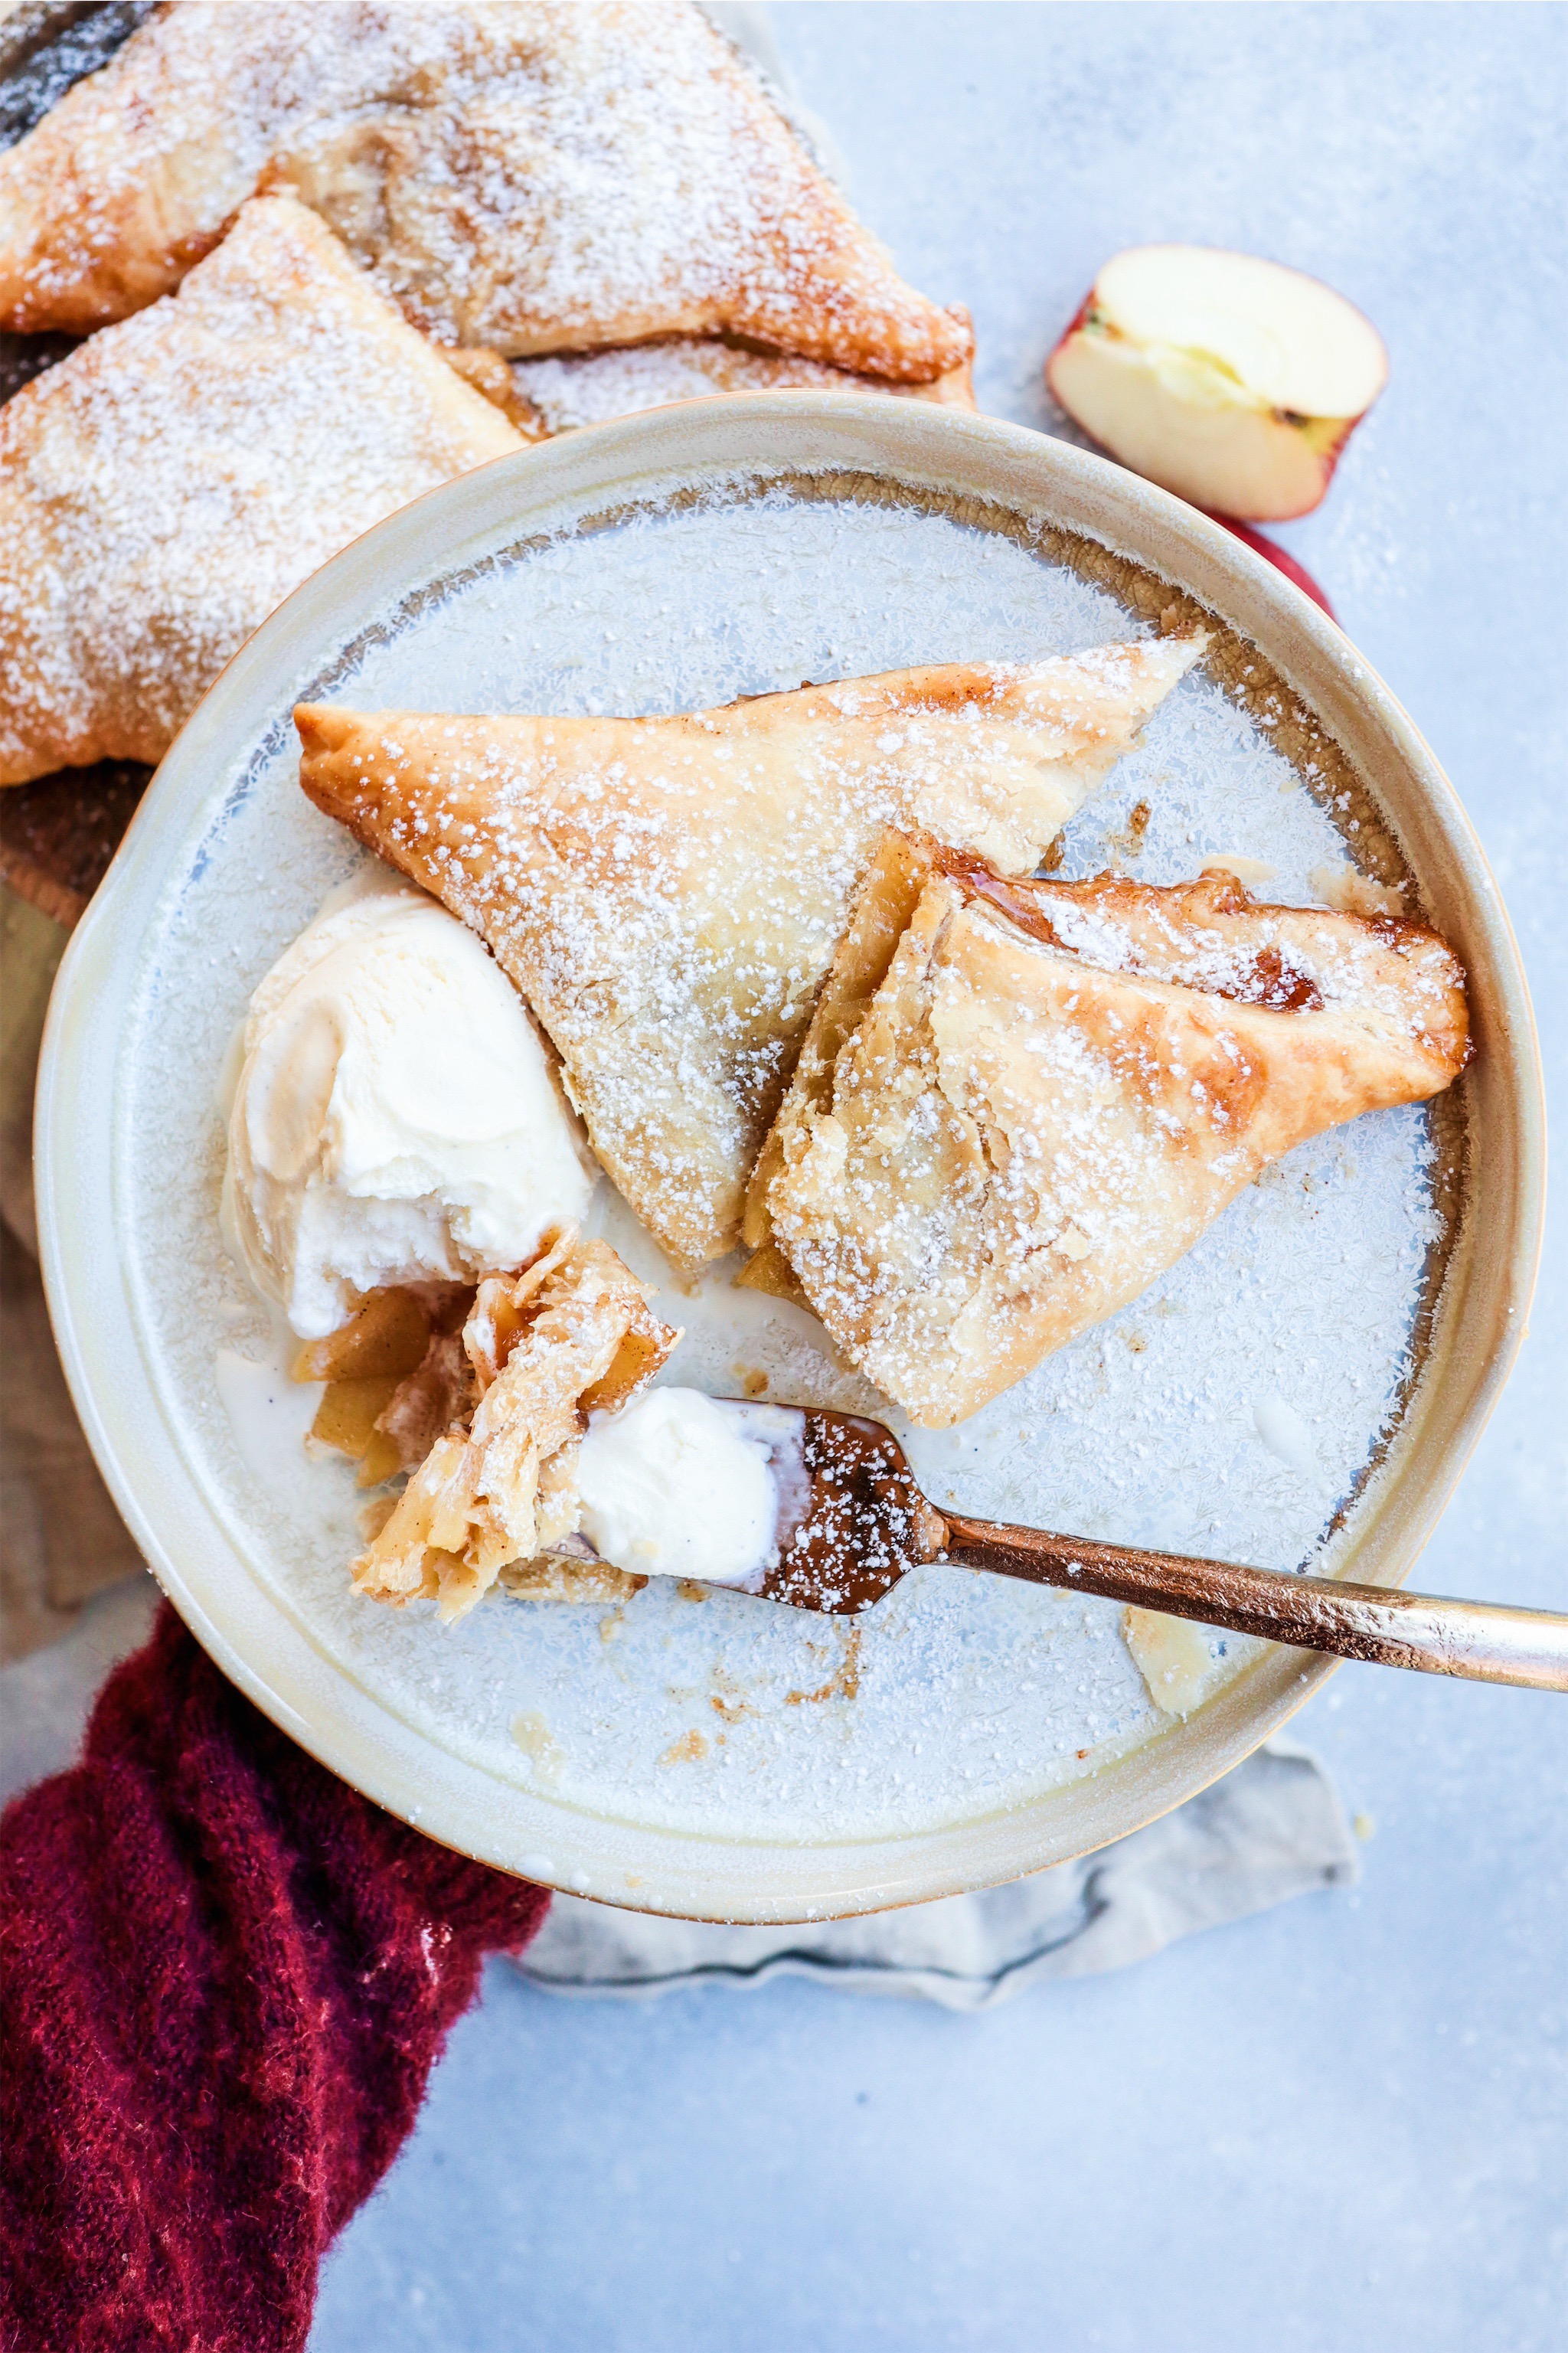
x=164 y=486
x=525 y=175
x=668 y=893
x=1022 y=1102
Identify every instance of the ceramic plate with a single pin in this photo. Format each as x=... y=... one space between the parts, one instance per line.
x=1301 y=1390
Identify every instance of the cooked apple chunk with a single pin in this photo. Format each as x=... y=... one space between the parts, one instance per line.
x=395 y=1376
x=572 y=1334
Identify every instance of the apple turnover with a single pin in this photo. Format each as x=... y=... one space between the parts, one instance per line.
x=521 y=176
x=164 y=486
x=494 y=1489
x=668 y=893
x=1019 y=1102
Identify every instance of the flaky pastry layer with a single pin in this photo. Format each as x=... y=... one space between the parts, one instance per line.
x=563 y=393
x=571 y=1335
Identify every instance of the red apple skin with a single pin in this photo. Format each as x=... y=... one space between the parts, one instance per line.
x=1328 y=458
x=1275 y=555
x=1080 y=315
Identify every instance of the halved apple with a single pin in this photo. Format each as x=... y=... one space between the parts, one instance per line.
x=1234 y=382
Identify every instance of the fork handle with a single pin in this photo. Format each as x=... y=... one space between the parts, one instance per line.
x=1481 y=1639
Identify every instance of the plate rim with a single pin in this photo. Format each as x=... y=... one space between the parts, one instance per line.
x=269 y=1651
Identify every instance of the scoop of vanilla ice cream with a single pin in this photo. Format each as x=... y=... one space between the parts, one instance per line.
x=393 y=1116
x=676 y=1484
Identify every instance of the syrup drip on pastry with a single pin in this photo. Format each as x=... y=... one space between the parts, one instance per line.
x=1266 y=978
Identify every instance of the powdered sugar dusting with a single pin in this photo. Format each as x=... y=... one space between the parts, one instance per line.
x=1020 y=1140
x=668 y=894
x=1261 y=954
x=167 y=485
x=958 y=1695
x=523 y=175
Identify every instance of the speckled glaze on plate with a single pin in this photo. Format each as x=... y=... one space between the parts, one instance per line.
x=717 y=1758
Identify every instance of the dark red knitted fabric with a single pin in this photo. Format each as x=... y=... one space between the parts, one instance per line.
x=224 y=1980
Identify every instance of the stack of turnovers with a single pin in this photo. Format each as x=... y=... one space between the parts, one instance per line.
x=390 y=199
x=1020 y=1102
x=668 y=894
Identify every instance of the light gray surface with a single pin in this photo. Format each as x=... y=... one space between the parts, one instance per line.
x=1344 y=2125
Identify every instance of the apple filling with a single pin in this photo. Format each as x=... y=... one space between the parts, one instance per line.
x=489 y=1418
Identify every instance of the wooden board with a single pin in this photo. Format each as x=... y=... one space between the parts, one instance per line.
x=58 y=834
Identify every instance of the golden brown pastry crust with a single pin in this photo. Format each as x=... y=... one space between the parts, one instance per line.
x=523 y=175
x=167 y=485
x=571 y=1335
x=999 y=1136
x=668 y=893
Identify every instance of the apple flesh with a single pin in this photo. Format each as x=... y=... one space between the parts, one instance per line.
x=1232 y=381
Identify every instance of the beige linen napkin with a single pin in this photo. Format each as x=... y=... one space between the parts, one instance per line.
x=1271 y=1829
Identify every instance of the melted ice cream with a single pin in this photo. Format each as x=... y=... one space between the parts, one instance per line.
x=393 y=1118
